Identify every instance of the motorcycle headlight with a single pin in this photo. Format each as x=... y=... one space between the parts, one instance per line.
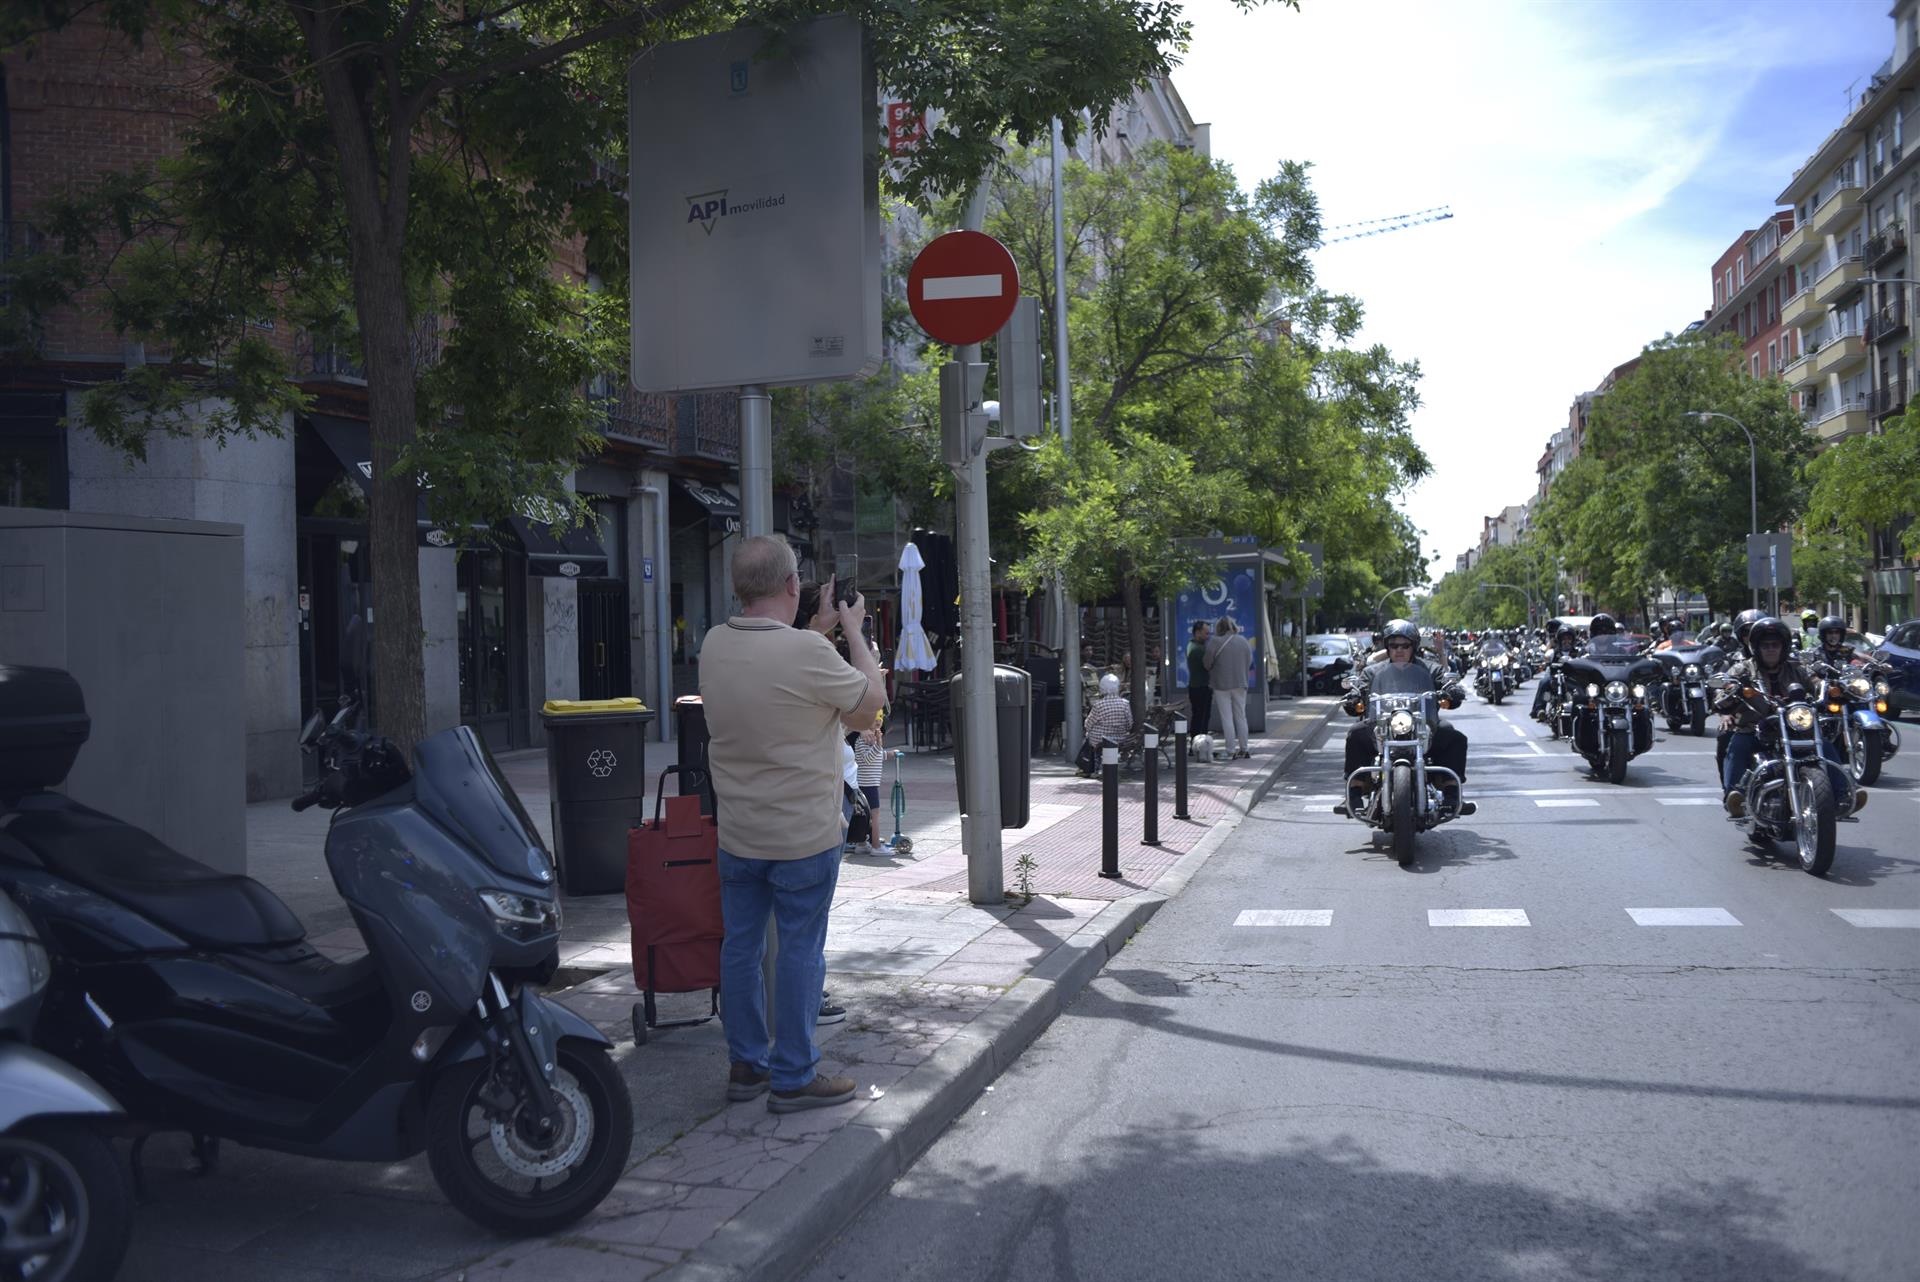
x=1693 y=669
x=1639 y=692
x=1400 y=724
x=1859 y=687
x=522 y=917
x=1800 y=717
x=1593 y=691
x=1616 y=689
x=1882 y=689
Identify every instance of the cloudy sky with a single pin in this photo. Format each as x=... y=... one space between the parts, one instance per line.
x=1598 y=158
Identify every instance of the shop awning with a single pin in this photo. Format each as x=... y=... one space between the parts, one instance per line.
x=721 y=503
x=352 y=444
x=574 y=553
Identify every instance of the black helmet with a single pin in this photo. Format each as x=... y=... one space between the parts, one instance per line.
x=1767 y=628
x=1743 y=624
x=1602 y=626
x=1402 y=629
x=1553 y=626
x=1832 y=623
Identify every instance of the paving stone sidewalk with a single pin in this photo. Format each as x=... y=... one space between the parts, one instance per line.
x=941 y=994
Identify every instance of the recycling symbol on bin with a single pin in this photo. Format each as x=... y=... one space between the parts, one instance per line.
x=601 y=761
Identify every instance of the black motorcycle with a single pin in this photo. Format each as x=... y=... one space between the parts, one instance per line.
x=1605 y=698
x=1494 y=676
x=1682 y=694
x=1787 y=794
x=195 y=998
x=1852 y=705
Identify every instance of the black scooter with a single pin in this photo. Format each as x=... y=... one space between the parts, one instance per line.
x=194 y=997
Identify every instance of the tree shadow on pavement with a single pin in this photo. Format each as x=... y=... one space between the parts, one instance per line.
x=1174 y=1199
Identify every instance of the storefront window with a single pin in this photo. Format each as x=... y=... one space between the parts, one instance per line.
x=486 y=640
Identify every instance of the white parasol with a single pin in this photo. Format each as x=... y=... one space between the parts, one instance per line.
x=913 y=654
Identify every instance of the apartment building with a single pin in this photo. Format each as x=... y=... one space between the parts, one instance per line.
x=1750 y=284
x=1853 y=202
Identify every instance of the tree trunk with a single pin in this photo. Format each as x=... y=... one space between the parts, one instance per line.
x=374 y=174
x=1136 y=642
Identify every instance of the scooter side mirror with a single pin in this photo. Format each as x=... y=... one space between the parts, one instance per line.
x=310 y=733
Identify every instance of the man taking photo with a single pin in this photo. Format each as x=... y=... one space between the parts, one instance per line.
x=778 y=700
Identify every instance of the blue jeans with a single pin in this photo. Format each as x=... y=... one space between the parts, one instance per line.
x=796 y=894
x=1743 y=744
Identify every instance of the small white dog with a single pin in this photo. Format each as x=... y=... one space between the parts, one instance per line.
x=1202 y=747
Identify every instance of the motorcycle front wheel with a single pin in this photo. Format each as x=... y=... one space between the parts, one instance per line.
x=66 y=1204
x=1863 y=762
x=1813 y=833
x=518 y=1185
x=1403 y=815
x=1616 y=758
x=1699 y=721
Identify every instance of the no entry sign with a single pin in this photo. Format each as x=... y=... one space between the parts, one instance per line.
x=962 y=287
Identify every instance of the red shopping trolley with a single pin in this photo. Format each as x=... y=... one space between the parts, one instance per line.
x=673 y=902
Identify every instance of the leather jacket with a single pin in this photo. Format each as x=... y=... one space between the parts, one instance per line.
x=1748 y=672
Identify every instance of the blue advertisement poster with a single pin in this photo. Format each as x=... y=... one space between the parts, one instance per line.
x=1234 y=594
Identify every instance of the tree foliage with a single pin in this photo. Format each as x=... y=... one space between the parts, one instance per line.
x=1869 y=482
x=1214 y=388
x=1476 y=598
x=1659 y=500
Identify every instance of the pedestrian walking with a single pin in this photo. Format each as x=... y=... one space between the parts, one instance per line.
x=1228 y=660
x=777 y=698
x=1199 y=681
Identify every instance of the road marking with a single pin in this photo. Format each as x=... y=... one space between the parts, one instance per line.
x=1318 y=808
x=1517 y=730
x=1899 y=918
x=1687 y=801
x=1538 y=751
x=1546 y=803
x=1285 y=917
x=938 y=287
x=1477 y=917
x=1682 y=917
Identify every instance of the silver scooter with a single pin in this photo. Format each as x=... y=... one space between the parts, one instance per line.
x=65 y=1196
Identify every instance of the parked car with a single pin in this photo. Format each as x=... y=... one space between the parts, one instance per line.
x=1901 y=650
x=1330 y=656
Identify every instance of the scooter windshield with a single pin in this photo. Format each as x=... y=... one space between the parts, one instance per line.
x=1393 y=678
x=458 y=784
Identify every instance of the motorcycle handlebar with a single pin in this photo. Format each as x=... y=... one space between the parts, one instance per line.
x=306 y=800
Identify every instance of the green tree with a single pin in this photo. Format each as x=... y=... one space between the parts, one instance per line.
x=1870 y=482
x=1213 y=389
x=394 y=177
x=1658 y=499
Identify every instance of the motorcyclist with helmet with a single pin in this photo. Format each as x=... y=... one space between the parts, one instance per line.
x=1405 y=672
x=1742 y=622
x=1563 y=643
x=1667 y=627
x=1809 y=629
x=1834 y=649
x=1772 y=671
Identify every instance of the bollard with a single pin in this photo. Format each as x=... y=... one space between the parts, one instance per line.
x=1110 y=812
x=1180 y=769
x=1151 y=825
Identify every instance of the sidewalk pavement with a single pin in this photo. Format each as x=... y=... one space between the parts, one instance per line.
x=941 y=994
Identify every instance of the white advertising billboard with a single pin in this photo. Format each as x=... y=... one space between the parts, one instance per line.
x=755 y=214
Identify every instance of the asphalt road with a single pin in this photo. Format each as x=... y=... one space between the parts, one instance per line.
x=1379 y=1096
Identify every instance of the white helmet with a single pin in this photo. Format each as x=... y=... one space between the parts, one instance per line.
x=1109 y=684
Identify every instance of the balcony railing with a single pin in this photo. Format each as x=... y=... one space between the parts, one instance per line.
x=1890 y=399
x=1889 y=322
x=708 y=425
x=1885 y=245
x=1845 y=405
x=646 y=417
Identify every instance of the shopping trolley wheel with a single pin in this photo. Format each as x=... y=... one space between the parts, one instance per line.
x=639 y=1026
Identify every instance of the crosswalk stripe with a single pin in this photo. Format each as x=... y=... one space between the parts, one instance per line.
x=1687 y=801
x=1319 y=808
x=1285 y=917
x=1898 y=918
x=1682 y=917
x=1548 y=803
x=1477 y=917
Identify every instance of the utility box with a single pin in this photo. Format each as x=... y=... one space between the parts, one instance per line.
x=1012 y=728
x=148 y=616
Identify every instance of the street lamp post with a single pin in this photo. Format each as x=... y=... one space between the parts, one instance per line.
x=1517 y=587
x=1405 y=587
x=1753 y=477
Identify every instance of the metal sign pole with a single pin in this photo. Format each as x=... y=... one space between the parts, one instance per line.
x=980 y=822
x=1063 y=401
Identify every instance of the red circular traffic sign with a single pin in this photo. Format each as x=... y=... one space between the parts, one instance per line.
x=962 y=287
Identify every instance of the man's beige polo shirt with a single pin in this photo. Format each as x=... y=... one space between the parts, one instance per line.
x=774 y=697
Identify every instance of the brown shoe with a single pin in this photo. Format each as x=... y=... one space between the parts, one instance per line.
x=745 y=1082
x=821 y=1092
x=1736 y=804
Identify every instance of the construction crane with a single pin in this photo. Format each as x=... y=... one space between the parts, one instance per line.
x=1393 y=222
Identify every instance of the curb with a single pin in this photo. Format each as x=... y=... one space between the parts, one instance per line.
x=792 y=1221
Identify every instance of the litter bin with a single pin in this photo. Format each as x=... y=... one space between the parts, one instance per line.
x=597 y=778
x=690 y=721
x=1012 y=717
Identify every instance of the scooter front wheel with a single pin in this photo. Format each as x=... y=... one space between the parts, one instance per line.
x=66 y=1204
x=503 y=1177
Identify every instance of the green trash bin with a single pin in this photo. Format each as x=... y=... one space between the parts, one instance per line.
x=597 y=781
